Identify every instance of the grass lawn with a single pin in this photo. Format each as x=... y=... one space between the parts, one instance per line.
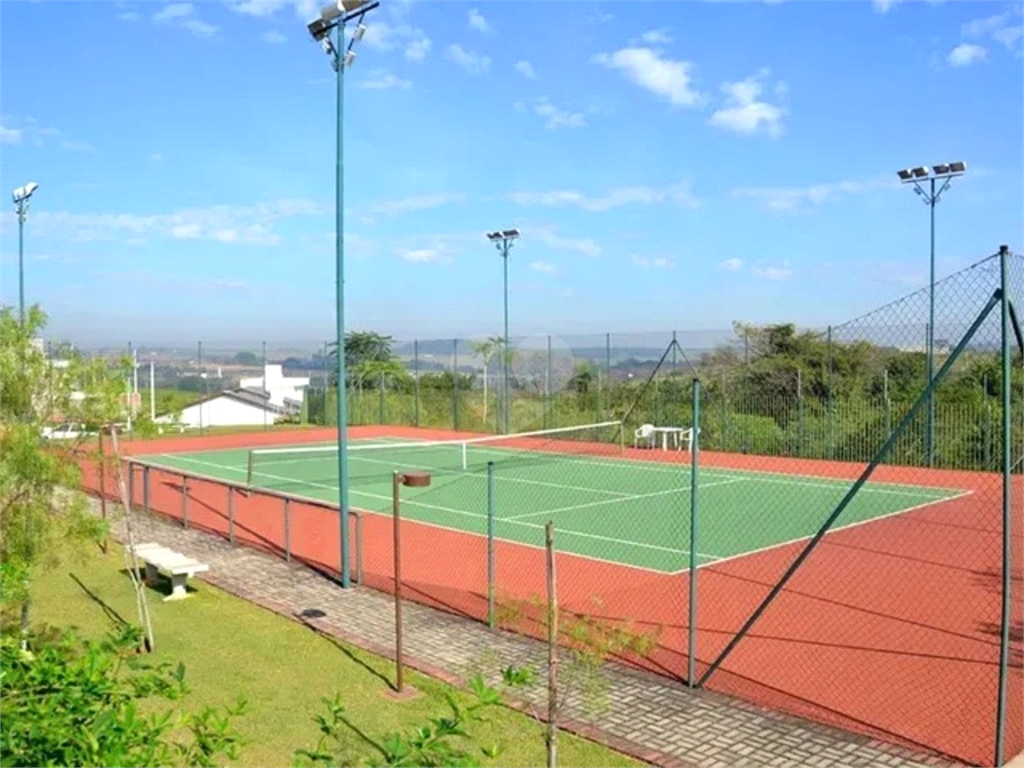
x=230 y=646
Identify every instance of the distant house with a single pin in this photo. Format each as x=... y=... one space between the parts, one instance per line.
x=283 y=391
x=233 y=409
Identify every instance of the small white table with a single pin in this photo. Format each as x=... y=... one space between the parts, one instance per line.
x=676 y=433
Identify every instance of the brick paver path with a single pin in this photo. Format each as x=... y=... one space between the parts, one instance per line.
x=653 y=718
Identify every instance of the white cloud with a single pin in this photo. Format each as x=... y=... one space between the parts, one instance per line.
x=304 y=9
x=419 y=255
x=656 y=37
x=543 y=266
x=999 y=27
x=78 y=146
x=883 y=6
x=274 y=37
x=417 y=203
x=744 y=113
x=180 y=14
x=555 y=117
x=784 y=200
x=525 y=68
x=966 y=54
x=251 y=225
x=156 y=157
x=130 y=16
x=478 y=22
x=639 y=195
x=647 y=263
x=548 y=235
x=732 y=265
x=381 y=80
x=10 y=135
x=473 y=63
x=384 y=37
x=667 y=78
x=773 y=273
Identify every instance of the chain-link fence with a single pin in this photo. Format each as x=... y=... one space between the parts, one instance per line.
x=803 y=519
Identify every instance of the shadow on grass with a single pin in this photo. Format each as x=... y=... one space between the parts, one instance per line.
x=162 y=586
x=107 y=609
x=338 y=644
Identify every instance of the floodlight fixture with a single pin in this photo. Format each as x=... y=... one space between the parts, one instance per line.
x=494 y=235
x=920 y=172
x=359 y=32
x=350 y=57
x=958 y=166
x=510 y=234
x=23 y=193
x=941 y=169
x=330 y=12
x=905 y=175
x=347 y=6
x=319 y=28
x=502 y=239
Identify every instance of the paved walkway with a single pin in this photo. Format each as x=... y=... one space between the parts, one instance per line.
x=652 y=718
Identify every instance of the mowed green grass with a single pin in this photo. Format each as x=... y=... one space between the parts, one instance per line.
x=230 y=647
x=631 y=512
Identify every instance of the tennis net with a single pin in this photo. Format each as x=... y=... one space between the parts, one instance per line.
x=369 y=461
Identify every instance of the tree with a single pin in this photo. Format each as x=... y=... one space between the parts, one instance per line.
x=247 y=358
x=91 y=704
x=363 y=351
x=486 y=350
x=38 y=508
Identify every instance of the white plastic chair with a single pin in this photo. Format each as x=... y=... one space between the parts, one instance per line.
x=645 y=434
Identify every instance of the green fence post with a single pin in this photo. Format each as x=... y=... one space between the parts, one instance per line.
x=416 y=381
x=608 y=371
x=829 y=429
x=455 y=384
x=381 y=408
x=691 y=641
x=490 y=545
x=799 y=413
x=1007 y=468
x=550 y=405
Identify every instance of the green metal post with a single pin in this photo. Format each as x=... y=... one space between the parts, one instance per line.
x=264 y=381
x=929 y=437
x=21 y=262
x=380 y=398
x=829 y=444
x=1004 y=626
x=455 y=384
x=550 y=399
x=199 y=365
x=691 y=642
x=505 y=351
x=799 y=413
x=608 y=372
x=339 y=244
x=416 y=381
x=490 y=545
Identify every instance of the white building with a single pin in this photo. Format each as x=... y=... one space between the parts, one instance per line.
x=232 y=409
x=284 y=391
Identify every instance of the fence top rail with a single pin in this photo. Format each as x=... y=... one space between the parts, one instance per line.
x=237 y=486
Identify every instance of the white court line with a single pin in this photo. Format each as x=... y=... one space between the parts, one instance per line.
x=612 y=501
x=727 y=558
x=464 y=513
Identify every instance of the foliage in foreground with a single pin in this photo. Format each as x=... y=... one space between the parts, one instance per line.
x=443 y=741
x=70 y=702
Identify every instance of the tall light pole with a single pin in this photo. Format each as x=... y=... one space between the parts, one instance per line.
x=21 y=196
x=503 y=242
x=334 y=18
x=944 y=173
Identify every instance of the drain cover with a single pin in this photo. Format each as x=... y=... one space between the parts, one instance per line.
x=312 y=613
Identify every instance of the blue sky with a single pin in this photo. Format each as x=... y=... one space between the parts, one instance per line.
x=672 y=165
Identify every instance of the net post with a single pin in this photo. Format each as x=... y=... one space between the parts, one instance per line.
x=465 y=455
x=184 y=501
x=287 y=530
x=249 y=468
x=231 y=515
x=490 y=545
x=691 y=639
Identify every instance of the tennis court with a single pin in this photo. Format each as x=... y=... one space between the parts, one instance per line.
x=605 y=505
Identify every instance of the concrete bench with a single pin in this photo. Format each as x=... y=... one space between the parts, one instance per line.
x=176 y=565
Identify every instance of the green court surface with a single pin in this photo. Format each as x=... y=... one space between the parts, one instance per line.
x=611 y=508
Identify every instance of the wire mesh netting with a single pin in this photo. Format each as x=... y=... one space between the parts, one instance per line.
x=838 y=522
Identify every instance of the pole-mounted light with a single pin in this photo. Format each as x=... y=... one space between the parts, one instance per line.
x=333 y=18
x=21 y=196
x=502 y=240
x=945 y=173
